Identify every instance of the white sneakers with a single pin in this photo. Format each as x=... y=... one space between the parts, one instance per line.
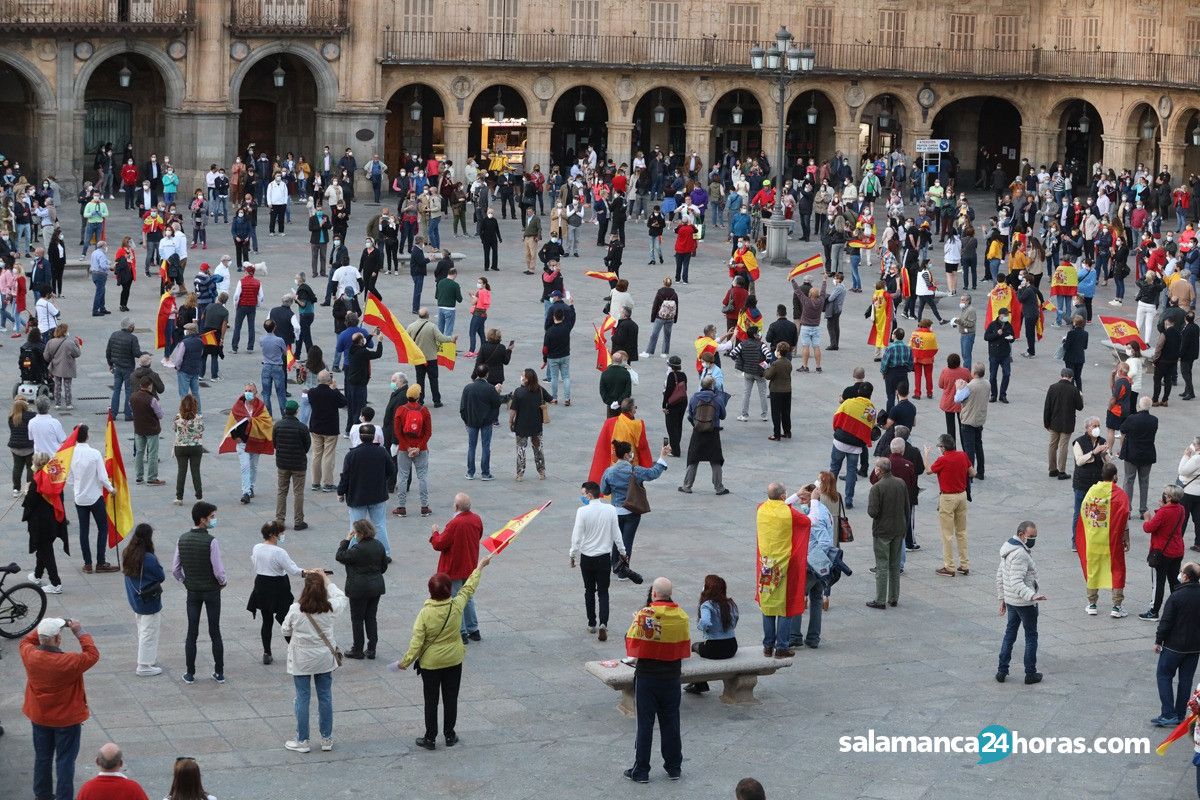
x=297 y=747
x=743 y=418
x=148 y=671
x=1118 y=612
x=34 y=579
x=327 y=745
x=645 y=355
x=52 y=589
x=1091 y=609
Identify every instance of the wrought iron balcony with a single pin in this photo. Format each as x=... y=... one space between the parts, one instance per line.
x=712 y=54
x=64 y=17
x=288 y=17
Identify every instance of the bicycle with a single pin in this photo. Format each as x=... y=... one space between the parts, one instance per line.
x=22 y=606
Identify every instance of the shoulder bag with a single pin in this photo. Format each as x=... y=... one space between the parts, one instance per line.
x=337 y=653
x=845 y=532
x=1155 y=559
x=417 y=660
x=636 y=501
x=146 y=593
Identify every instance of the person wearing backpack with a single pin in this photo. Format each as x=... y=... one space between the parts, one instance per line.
x=663 y=313
x=413 y=426
x=705 y=411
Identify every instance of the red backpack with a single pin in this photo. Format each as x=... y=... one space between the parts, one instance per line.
x=412 y=423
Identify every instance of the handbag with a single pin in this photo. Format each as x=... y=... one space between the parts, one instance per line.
x=545 y=413
x=148 y=593
x=636 y=501
x=337 y=652
x=845 y=531
x=417 y=660
x=678 y=394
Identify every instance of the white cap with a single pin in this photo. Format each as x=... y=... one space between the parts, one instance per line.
x=51 y=626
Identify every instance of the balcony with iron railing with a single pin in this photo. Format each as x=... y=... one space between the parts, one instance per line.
x=711 y=54
x=65 y=17
x=289 y=17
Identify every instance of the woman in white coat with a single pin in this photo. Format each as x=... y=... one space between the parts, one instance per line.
x=308 y=627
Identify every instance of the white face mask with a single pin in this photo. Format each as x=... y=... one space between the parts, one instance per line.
x=1095 y=432
x=962 y=305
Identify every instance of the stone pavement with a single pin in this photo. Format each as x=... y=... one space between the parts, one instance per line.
x=533 y=723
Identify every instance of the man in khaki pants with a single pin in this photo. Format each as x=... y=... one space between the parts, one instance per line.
x=953 y=470
x=325 y=399
x=1058 y=417
x=532 y=238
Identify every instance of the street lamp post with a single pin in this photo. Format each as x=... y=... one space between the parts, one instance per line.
x=781 y=62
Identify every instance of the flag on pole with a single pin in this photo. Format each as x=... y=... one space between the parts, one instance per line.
x=377 y=314
x=213 y=339
x=807 y=265
x=1122 y=331
x=447 y=355
x=52 y=478
x=116 y=502
x=603 y=357
x=604 y=276
x=505 y=536
x=289 y=359
x=1181 y=730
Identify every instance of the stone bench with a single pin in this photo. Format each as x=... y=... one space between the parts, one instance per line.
x=739 y=675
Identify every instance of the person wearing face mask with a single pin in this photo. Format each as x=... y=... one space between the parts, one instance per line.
x=389 y=235
x=490 y=238
x=594 y=538
x=1090 y=453
x=1017 y=591
x=1177 y=642
x=249 y=434
x=272 y=594
x=198 y=566
x=1165 y=527
x=953 y=469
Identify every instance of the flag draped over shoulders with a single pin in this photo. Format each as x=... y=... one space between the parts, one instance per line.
x=52 y=477
x=659 y=631
x=704 y=344
x=621 y=428
x=881 y=325
x=1065 y=281
x=856 y=416
x=782 y=561
x=255 y=414
x=1003 y=296
x=166 y=307
x=1100 y=536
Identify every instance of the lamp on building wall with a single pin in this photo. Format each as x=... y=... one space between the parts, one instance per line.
x=885 y=118
x=808 y=59
x=415 y=107
x=756 y=58
x=1084 y=124
x=1148 y=128
x=660 y=113
x=737 y=114
x=1196 y=135
x=580 y=108
x=278 y=75
x=811 y=114
x=498 y=109
x=124 y=76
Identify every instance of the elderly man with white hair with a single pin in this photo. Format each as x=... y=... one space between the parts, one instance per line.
x=1089 y=452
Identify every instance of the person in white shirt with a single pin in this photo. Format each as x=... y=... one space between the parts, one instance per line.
x=221 y=274
x=592 y=541
x=365 y=417
x=272 y=594
x=47 y=315
x=277 y=199
x=347 y=277
x=88 y=482
x=45 y=431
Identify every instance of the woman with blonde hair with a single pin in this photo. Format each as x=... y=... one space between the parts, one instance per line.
x=189 y=446
x=19 y=444
x=313 y=654
x=61 y=353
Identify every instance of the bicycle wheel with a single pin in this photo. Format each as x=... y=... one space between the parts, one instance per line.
x=22 y=607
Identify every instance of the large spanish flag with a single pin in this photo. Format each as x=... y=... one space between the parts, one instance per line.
x=52 y=477
x=659 y=632
x=856 y=417
x=779 y=586
x=881 y=324
x=1099 y=535
x=1003 y=296
x=807 y=265
x=704 y=344
x=166 y=307
x=603 y=357
x=289 y=359
x=621 y=428
x=504 y=537
x=750 y=317
x=255 y=415
x=604 y=276
x=748 y=260
x=447 y=355
x=1065 y=281
x=905 y=283
x=116 y=502
x=1122 y=331
x=924 y=344
x=377 y=314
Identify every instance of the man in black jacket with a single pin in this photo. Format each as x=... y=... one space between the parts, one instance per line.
x=1177 y=642
x=1166 y=360
x=782 y=329
x=292 y=442
x=1058 y=418
x=490 y=238
x=358 y=374
x=478 y=407
x=122 y=354
x=999 y=336
x=366 y=472
x=1137 y=450
x=1189 y=351
x=556 y=349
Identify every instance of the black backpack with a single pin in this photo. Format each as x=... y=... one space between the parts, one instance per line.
x=705 y=417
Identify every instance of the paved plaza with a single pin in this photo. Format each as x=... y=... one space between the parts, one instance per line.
x=533 y=723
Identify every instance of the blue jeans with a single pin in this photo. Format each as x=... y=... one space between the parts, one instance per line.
x=220 y=208
x=1171 y=662
x=324 y=684
x=485 y=461
x=477 y=329
x=836 y=457
x=777 y=632
x=377 y=513
x=9 y=311
x=557 y=368
x=657 y=698
x=1026 y=616
x=470 y=623
x=356 y=400
x=273 y=379
x=1062 y=308
x=966 y=348
x=122 y=379
x=248 y=464
x=93 y=230
x=445 y=321
x=59 y=746
x=664 y=327
x=855 y=258
x=655 y=247
x=435 y=237
x=189 y=384
x=25 y=236
x=1079 y=493
x=101 y=280
x=418 y=282
x=816 y=595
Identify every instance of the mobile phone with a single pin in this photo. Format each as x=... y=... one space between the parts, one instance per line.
x=328 y=571
x=666 y=441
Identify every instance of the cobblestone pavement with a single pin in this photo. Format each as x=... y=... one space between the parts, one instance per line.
x=533 y=723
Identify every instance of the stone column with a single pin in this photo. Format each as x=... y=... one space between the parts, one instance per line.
x=845 y=139
x=620 y=141
x=46 y=127
x=698 y=137
x=1171 y=155
x=455 y=134
x=67 y=146
x=360 y=71
x=1118 y=150
x=537 y=146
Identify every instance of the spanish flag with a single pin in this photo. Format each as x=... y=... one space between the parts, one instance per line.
x=750 y=317
x=166 y=307
x=1003 y=296
x=604 y=276
x=254 y=414
x=1099 y=535
x=1065 y=281
x=603 y=357
x=504 y=537
x=704 y=344
x=881 y=325
x=52 y=477
x=856 y=417
x=1122 y=331
x=659 y=632
x=782 y=564
x=447 y=355
x=621 y=428
x=213 y=339
x=116 y=502
x=289 y=359
x=1181 y=730
x=748 y=260
x=905 y=283
x=807 y=265
x=1041 y=320
x=864 y=237
x=377 y=314
x=924 y=344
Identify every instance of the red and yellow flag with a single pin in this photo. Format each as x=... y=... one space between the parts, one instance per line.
x=604 y=276
x=1099 y=535
x=213 y=339
x=621 y=428
x=1003 y=296
x=166 y=307
x=377 y=314
x=116 y=502
x=603 y=356
x=749 y=317
x=504 y=537
x=704 y=344
x=660 y=632
x=924 y=344
x=1122 y=331
x=52 y=477
x=905 y=283
x=254 y=414
x=1065 y=281
x=807 y=265
x=447 y=355
x=856 y=417
x=289 y=359
x=782 y=563
x=1181 y=730
x=881 y=324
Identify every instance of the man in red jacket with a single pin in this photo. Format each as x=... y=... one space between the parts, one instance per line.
x=55 y=702
x=459 y=546
x=413 y=425
x=111 y=783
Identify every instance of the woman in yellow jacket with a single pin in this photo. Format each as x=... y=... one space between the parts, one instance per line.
x=438 y=648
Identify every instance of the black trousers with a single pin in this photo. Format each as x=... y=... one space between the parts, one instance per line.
x=1185 y=367
x=362 y=616
x=1167 y=574
x=602 y=232
x=211 y=603
x=241 y=252
x=125 y=287
x=1191 y=502
x=834 y=326
x=268 y=627
x=491 y=256
x=278 y=214
x=781 y=413
x=46 y=564
x=432 y=371
x=674 y=415
x=446 y=682
x=597 y=573
x=972 y=441
x=1164 y=378
x=951 y=425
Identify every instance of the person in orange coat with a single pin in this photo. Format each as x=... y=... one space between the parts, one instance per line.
x=55 y=702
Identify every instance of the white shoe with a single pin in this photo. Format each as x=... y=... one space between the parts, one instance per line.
x=662 y=355
x=52 y=589
x=763 y=417
x=743 y=418
x=297 y=747
x=645 y=355
x=34 y=579
x=148 y=672
x=1118 y=612
x=1091 y=609
x=327 y=745
x=16 y=492
x=1114 y=302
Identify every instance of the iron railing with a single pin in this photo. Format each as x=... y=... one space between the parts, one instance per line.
x=60 y=17
x=289 y=17
x=711 y=54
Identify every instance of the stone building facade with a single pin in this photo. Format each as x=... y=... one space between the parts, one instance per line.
x=1113 y=81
